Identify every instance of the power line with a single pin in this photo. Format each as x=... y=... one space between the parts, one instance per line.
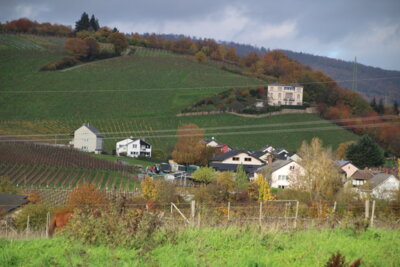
x=335 y=127
x=182 y=88
x=229 y=127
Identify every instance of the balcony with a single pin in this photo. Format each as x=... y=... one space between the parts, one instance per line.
x=288 y=99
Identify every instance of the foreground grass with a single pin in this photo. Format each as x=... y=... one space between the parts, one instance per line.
x=215 y=247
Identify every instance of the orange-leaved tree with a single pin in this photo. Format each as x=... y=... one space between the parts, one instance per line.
x=77 y=47
x=86 y=196
x=190 y=148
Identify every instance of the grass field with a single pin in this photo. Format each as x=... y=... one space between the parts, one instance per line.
x=215 y=247
x=136 y=96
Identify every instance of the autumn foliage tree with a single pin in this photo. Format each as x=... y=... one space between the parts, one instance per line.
x=119 y=41
x=341 y=150
x=190 y=148
x=77 y=47
x=149 y=188
x=321 y=177
x=86 y=197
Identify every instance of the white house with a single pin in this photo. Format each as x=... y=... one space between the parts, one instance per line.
x=87 y=138
x=280 y=94
x=281 y=172
x=133 y=148
x=384 y=186
x=211 y=142
x=229 y=161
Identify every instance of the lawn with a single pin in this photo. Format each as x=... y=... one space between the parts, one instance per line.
x=132 y=161
x=215 y=247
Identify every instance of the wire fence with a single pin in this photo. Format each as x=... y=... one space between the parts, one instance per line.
x=275 y=214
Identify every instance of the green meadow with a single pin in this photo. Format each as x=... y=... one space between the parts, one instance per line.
x=215 y=247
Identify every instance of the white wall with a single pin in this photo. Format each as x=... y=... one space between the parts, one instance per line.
x=387 y=189
x=285 y=172
x=349 y=169
x=86 y=140
x=241 y=160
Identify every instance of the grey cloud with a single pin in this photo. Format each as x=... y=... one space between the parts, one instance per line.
x=319 y=26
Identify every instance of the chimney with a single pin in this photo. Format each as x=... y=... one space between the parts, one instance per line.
x=269 y=159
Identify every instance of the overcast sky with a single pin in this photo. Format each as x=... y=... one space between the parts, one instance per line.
x=367 y=29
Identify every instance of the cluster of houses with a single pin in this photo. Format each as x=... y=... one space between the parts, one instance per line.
x=282 y=164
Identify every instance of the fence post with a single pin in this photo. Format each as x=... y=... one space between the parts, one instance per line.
x=297 y=214
x=192 y=210
x=260 y=216
x=27 y=226
x=366 y=209
x=47 y=224
x=334 y=207
x=372 y=213
x=229 y=210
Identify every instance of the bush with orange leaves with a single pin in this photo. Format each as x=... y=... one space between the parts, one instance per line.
x=86 y=196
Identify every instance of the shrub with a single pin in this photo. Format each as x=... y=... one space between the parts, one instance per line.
x=149 y=188
x=6 y=186
x=86 y=196
x=205 y=175
x=133 y=228
x=37 y=217
x=60 y=64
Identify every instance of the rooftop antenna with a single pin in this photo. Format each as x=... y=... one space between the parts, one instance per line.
x=354 y=85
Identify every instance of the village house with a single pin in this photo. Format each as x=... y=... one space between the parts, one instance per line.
x=347 y=167
x=231 y=160
x=133 y=148
x=212 y=142
x=280 y=94
x=381 y=186
x=360 y=177
x=87 y=138
x=282 y=171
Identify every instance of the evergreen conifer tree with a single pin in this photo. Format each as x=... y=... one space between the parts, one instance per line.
x=365 y=153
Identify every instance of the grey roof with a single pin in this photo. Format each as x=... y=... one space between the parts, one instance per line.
x=277 y=164
x=233 y=167
x=379 y=178
x=341 y=163
x=208 y=140
x=9 y=202
x=259 y=153
x=93 y=130
x=229 y=154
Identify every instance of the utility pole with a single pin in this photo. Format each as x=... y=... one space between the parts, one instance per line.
x=354 y=85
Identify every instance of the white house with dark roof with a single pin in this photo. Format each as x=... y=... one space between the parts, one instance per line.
x=87 y=138
x=133 y=148
x=229 y=161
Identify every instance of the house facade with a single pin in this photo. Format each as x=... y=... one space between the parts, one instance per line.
x=384 y=186
x=280 y=94
x=87 y=138
x=283 y=171
x=231 y=160
x=347 y=167
x=133 y=148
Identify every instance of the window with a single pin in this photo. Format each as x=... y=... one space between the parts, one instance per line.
x=282 y=178
x=247 y=159
x=291 y=168
x=281 y=186
x=279 y=95
x=134 y=146
x=298 y=97
x=235 y=158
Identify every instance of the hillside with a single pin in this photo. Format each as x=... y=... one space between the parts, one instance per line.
x=136 y=95
x=340 y=70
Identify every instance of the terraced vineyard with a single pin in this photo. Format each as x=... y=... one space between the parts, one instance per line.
x=136 y=95
x=41 y=165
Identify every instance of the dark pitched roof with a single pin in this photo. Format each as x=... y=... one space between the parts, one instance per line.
x=362 y=175
x=229 y=154
x=208 y=140
x=233 y=167
x=280 y=150
x=258 y=154
x=277 y=164
x=10 y=202
x=93 y=130
x=341 y=163
x=379 y=178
